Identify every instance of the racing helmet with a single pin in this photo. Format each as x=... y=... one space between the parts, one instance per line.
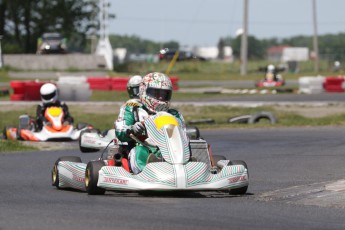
x=270 y=68
x=155 y=92
x=48 y=93
x=133 y=86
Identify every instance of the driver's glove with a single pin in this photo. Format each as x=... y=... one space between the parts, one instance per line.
x=138 y=128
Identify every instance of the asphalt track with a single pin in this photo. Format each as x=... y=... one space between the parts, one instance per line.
x=288 y=168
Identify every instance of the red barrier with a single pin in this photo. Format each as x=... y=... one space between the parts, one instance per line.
x=99 y=83
x=26 y=90
x=119 y=83
x=17 y=97
x=174 y=82
x=32 y=91
x=333 y=84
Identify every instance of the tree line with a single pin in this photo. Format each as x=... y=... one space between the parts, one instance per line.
x=331 y=46
x=22 y=22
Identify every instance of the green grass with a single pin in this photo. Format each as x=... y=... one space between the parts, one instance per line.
x=220 y=114
x=188 y=71
x=201 y=70
x=220 y=71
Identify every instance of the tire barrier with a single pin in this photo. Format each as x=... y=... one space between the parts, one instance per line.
x=26 y=90
x=201 y=121
x=240 y=120
x=100 y=83
x=311 y=85
x=255 y=118
x=262 y=115
x=334 y=84
x=74 y=88
x=118 y=83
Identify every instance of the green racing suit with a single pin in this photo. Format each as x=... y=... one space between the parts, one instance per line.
x=130 y=113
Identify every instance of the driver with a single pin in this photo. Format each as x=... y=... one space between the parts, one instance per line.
x=50 y=98
x=155 y=93
x=133 y=86
x=271 y=73
x=134 y=100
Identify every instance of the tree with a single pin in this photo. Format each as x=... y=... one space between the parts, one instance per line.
x=255 y=48
x=25 y=21
x=135 y=44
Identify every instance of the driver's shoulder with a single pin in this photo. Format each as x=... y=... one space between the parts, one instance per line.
x=133 y=103
x=173 y=112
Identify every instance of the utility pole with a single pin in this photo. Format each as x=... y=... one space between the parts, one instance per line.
x=1 y=57
x=315 y=40
x=244 y=40
x=104 y=47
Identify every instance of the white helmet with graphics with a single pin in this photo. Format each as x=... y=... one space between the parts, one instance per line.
x=155 y=92
x=48 y=93
x=133 y=86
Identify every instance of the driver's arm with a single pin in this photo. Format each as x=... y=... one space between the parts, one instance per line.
x=124 y=123
x=68 y=116
x=39 y=117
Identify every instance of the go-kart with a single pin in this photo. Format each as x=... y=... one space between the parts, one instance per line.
x=277 y=81
x=53 y=128
x=183 y=165
x=272 y=77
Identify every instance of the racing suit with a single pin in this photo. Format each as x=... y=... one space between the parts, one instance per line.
x=130 y=113
x=41 y=108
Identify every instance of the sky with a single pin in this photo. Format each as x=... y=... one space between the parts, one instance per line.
x=204 y=22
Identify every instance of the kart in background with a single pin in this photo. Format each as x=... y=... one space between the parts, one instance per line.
x=272 y=78
x=54 y=129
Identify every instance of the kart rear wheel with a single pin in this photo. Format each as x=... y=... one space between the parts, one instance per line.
x=91 y=178
x=4 y=132
x=217 y=158
x=242 y=190
x=82 y=125
x=193 y=132
x=55 y=171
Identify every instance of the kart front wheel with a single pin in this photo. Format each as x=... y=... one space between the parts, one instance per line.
x=91 y=178
x=86 y=149
x=55 y=171
x=242 y=190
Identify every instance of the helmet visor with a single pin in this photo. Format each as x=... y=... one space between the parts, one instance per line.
x=134 y=91
x=159 y=94
x=48 y=96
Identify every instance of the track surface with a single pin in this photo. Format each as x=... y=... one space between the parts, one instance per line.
x=277 y=159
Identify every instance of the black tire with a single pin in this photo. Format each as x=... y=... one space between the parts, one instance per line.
x=55 y=171
x=217 y=158
x=82 y=125
x=193 y=132
x=91 y=178
x=105 y=132
x=240 y=119
x=4 y=131
x=85 y=149
x=262 y=115
x=242 y=190
x=202 y=121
